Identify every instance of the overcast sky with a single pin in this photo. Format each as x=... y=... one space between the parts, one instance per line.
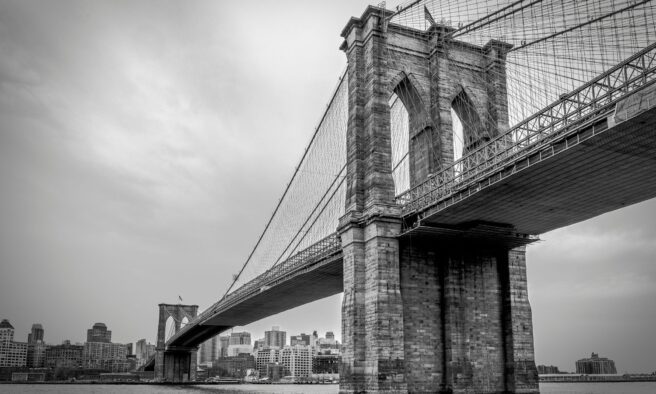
x=143 y=145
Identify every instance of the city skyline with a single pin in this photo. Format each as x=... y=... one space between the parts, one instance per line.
x=143 y=148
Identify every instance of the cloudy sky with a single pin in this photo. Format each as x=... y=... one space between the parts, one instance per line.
x=144 y=144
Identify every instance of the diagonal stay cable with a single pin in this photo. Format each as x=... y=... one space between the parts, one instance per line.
x=318 y=216
x=310 y=215
x=342 y=78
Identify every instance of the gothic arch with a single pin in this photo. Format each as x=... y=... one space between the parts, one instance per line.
x=473 y=130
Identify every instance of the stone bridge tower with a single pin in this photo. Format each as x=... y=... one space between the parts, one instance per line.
x=174 y=365
x=447 y=310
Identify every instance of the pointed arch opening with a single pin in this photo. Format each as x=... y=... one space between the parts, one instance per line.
x=473 y=132
x=184 y=322
x=170 y=328
x=413 y=149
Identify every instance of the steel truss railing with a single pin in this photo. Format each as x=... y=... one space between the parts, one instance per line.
x=588 y=101
x=318 y=251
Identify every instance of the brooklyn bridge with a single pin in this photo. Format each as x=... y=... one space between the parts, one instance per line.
x=459 y=132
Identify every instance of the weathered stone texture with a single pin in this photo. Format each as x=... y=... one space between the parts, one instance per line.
x=424 y=315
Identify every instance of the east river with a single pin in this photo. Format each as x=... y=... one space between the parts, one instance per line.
x=545 y=388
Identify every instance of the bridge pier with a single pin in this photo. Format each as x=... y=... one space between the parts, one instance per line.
x=467 y=319
x=176 y=365
x=440 y=310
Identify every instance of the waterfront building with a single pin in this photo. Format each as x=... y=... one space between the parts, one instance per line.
x=547 y=369
x=298 y=360
x=265 y=357
x=325 y=363
x=12 y=354
x=303 y=340
x=99 y=333
x=100 y=353
x=64 y=355
x=595 y=365
x=36 y=354
x=235 y=366
x=275 y=337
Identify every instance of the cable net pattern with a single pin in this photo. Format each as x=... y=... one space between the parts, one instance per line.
x=557 y=47
x=312 y=203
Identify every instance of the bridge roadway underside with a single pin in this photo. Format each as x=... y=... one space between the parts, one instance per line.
x=311 y=284
x=593 y=174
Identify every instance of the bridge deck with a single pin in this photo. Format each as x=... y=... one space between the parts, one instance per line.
x=593 y=170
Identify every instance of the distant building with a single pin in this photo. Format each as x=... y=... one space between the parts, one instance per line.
x=36 y=354
x=128 y=347
x=208 y=351
x=99 y=333
x=106 y=356
x=240 y=343
x=64 y=355
x=327 y=363
x=36 y=335
x=547 y=369
x=595 y=365
x=236 y=366
x=328 y=342
x=275 y=337
x=36 y=348
x=100 y=353
x=258 y=344
x=224 y=342
x=265 y=357
x=143 y=350
x=298 y=360
x=303 y=340
x=12 y=354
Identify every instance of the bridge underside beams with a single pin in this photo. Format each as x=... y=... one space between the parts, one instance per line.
x=311 y=285
x=571 y=183
x=467 y=320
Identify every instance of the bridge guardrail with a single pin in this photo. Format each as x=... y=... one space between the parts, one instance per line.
x=589 y=100
x=315 y=252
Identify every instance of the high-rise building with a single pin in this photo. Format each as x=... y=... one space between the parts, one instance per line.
x=36 y=334
x=209 y=351
x=275 y=338
x=328 y=342
x=240 y=343
x=224 y=342
x=36 y=348
x=302 y=339
x=595 y=365
x=143 y=351
x=99 y=333
x=64 y=355
x=12 y=354
x=100 y=353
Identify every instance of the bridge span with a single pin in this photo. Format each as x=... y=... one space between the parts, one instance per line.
x=434 y=279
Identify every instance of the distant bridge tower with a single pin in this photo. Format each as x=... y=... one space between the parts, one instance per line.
x=446 y=310
x=174 y=364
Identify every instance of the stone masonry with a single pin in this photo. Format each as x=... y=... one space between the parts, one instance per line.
x=174 y=364
x=429 y=312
